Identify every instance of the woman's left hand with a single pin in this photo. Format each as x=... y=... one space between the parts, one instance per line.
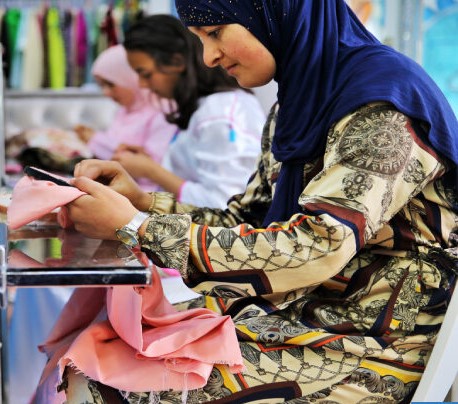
x=116 y=177
x=99 y=213
x=138 y=165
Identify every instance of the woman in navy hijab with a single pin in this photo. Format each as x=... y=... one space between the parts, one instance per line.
x=336 y=263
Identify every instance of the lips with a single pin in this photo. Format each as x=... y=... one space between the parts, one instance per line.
x=230 y=69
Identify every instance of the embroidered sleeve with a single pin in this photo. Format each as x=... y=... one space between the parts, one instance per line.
x=373 y=166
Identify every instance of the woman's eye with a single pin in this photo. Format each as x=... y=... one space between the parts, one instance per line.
x=146 y=75
x=214 y=33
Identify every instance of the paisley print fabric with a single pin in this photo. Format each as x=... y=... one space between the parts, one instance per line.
x=343 y=302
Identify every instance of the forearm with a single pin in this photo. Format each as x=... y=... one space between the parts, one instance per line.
x=307 y=251
x=150 y=169
x=166 y=180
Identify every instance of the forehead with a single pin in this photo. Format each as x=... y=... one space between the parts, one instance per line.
x=257 y=16
x=102 y=81
x=139 y=57
x=199 y=30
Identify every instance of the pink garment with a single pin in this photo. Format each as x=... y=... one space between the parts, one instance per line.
x=81 y=39
x=141 y=335
x=32 y=199
x=145 y=344
x=142 y=124
x=171 y=271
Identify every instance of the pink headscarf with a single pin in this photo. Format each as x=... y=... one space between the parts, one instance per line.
x=112 y=65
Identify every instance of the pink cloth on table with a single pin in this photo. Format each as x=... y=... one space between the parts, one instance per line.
x=144 y=344
x=32 y=199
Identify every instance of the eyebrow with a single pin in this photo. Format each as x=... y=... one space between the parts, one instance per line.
x=202 y=29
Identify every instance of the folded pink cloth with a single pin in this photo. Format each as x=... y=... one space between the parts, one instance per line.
x=143 y=344
x=32 y=199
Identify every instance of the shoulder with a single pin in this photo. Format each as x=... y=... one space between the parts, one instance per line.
x=378 y=136
x=371 y=118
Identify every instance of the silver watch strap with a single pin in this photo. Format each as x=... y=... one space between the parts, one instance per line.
x=137 y=220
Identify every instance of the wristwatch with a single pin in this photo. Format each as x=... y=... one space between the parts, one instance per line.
x=128 y=234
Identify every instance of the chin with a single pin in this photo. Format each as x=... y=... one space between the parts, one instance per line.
x=252 y=83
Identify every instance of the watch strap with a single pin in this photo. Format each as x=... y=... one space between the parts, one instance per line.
x=137 y=221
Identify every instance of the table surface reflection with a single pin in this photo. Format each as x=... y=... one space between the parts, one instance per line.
x=52 y=256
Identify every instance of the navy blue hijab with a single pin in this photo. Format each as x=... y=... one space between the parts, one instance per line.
x=328 y=65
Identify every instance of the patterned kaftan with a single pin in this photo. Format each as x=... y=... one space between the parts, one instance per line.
x=342 y=303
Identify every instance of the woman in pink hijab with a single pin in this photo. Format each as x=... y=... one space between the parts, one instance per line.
x=139 y=123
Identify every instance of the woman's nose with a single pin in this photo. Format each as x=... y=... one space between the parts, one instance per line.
x=106 y=91
x=212 y=55
x=143 y=82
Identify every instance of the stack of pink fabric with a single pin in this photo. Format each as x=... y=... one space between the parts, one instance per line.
x=143 y=344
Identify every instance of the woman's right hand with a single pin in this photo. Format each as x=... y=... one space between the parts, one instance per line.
x=112 y=174
x=100 y=211
x=84 y=132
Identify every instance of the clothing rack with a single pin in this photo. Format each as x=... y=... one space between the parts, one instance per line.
x=2 y=123
x=72 y=37
x=68 y=3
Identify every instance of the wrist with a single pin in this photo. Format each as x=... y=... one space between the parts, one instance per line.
x=143 y=201
x=129 y=234
x=143 y=227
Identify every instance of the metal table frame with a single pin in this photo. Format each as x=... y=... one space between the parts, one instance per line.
x=134 y=269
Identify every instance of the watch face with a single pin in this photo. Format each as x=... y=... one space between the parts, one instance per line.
x=127 y=237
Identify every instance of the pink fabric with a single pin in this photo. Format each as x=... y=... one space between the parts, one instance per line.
x=171 y=271
x=141 y=335
x=81 y=39
x=32 y=199
x=142 y=124
x=145 y=344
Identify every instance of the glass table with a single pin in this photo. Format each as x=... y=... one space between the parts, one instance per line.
x=49 y=256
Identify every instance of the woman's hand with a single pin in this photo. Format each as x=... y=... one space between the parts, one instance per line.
x=84 y=132
x=138 y=165
x=130 y=147
x=113 y=175
x=99 y=213
x=141 y=165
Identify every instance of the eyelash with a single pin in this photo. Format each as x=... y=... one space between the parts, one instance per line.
x=214 y=34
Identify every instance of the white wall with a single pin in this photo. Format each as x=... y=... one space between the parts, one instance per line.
x=159 y=6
